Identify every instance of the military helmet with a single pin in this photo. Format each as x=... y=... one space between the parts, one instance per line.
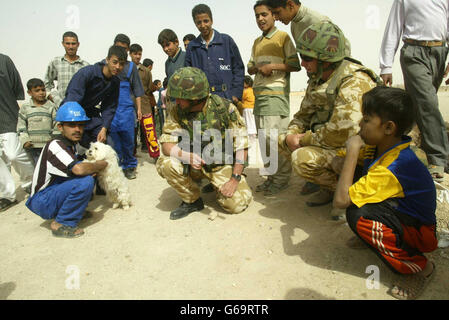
x=188 y=83
x=323 y=41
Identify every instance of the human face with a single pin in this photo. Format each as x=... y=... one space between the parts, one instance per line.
x=372 y=130
x=204 y=24
x=310 y=64
x=72 y=130
x=170 y=48
x=136 y=57
x=70 y=45
x=284 y=15
x=186 y=43
x=264 y=18
x=114 y=65
x=38 y=94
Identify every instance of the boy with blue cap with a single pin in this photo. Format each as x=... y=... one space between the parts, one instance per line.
x=62 y=185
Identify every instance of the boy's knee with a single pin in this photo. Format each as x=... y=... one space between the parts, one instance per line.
x=84 y=184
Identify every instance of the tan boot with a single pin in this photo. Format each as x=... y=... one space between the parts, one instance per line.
x=321 y=198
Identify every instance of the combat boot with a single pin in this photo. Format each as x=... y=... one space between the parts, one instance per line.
x=321 y=198
x=186 y=208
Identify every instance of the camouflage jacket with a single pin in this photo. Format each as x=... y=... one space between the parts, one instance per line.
x=329 y=124
x=218 y=113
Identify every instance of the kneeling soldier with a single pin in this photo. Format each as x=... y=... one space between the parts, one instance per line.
x=198 y=114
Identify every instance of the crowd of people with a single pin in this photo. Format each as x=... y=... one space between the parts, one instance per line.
x=348 y=140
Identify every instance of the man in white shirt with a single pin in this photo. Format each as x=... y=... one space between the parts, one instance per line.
x=423 y=26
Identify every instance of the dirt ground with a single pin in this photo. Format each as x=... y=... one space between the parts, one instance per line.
x=277 y=249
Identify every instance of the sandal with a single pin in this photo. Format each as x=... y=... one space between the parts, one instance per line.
x=413 y=285
x=437 y=172
x=67 y=232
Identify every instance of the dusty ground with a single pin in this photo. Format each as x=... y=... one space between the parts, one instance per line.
x=278 y=249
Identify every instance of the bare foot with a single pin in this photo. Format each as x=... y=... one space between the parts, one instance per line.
x=55 y=227
x=410 y=287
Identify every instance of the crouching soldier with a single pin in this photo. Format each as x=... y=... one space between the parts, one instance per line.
x=62 y=185
x=196 y=115
x=330 y=111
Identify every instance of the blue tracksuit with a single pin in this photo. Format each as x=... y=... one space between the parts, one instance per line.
x=122 y=127
x=221 y=62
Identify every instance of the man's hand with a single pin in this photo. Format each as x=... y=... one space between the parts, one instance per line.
x=27 y=145
x=139 y=115
x=229 y=188
x=266 y=70
x=293 y=141
x=354 y=143
x=387 y=78
x=196 y=162
x=102 y=135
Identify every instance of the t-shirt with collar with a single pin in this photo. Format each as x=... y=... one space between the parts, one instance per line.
x=173 y=64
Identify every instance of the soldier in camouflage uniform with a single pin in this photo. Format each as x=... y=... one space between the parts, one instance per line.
x=330 y=111
x=195 y=114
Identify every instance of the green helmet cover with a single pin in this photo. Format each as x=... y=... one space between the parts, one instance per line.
x=323 y=41
x=188 y=83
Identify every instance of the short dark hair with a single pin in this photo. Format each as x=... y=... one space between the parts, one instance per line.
x=281 y=3
x=119 y=52
x=248 y=80
x=122 y=38
x=166 y=36
x=155 y=82
x=262 y=3
x=69 y=34
x=390 y=104
x=134 y=48
x=147 y=62
x=189 y=37
x=200 y=9
x=165 y=83
x=33 y=83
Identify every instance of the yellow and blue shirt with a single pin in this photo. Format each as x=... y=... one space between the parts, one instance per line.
x=397 y=174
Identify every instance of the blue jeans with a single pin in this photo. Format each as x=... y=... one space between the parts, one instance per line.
x=65 y=200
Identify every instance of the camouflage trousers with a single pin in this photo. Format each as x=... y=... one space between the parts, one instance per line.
x=314 y=164
x=171 y=169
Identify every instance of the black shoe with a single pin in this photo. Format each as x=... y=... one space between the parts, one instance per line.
x=186 y=208
x=130 y=173
x=208 y=188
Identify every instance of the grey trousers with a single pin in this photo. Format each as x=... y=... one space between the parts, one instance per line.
x=423 y=69
x=284 y=171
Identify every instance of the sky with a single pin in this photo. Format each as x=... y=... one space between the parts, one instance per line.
x=32 y=30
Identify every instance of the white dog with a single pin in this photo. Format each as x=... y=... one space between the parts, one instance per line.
x=111 y=179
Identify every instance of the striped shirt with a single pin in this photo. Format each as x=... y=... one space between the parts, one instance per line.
x=272 y=93
x=37 y=123
x=62 y=71
x=56 y=161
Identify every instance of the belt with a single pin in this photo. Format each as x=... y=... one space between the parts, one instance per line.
x=221 y=88
x=425 y=43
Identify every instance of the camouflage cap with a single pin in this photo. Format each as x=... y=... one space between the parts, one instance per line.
x=188 y=83
x=323 y=41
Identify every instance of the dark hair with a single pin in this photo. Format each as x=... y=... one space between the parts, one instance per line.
x=155 y=82
x=248 y=80
x=200 y=9
x=70 y=34
x=33 y=83
x=390 y=104
x=119 y=52
x=166 y=36
x=281 y=3
x=262 y=3
x=122 y=38
x=189 y=37
x=134 y=48
x=165 y=83
x=147 y=62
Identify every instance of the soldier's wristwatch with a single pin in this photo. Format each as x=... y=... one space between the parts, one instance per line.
x=237 y=177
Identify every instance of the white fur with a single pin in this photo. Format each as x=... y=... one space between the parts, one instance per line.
x=111 y=179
